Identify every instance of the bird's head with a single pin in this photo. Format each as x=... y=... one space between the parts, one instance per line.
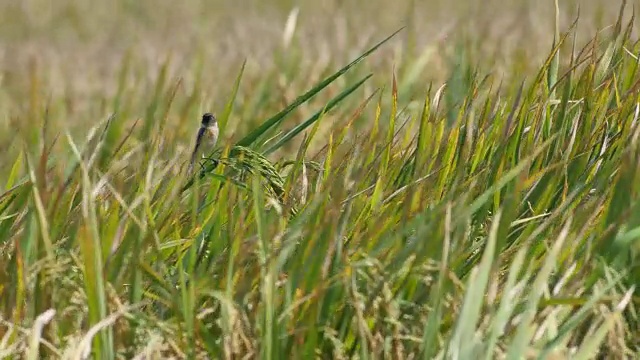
x=208 y=119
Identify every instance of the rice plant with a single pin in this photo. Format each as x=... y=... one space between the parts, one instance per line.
x=496 y=217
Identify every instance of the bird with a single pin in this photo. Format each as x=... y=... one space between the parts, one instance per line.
x=206 y=138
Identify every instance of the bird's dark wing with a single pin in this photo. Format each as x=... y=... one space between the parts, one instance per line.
x=199 y=138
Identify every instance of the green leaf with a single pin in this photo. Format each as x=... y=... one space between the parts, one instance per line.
x=330 y=105
x=274 y=120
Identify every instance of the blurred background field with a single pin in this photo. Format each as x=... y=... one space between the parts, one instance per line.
x=69 y=55
x=405 y=228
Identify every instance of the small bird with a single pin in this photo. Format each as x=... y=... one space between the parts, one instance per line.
x=206 y=138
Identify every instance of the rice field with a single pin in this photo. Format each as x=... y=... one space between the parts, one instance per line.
x=436 y=179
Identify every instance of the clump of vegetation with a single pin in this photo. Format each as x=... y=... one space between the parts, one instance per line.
x=495 y=220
